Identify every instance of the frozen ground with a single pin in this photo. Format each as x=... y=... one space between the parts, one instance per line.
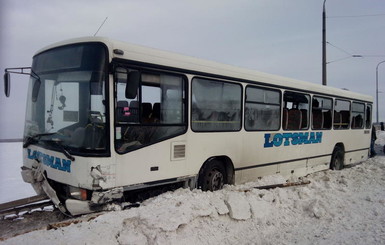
x=337 y=207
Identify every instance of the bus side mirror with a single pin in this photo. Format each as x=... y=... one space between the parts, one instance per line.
x=132 y=85
x=7 y=83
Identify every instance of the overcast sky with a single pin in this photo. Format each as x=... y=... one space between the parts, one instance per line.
x=281 y=37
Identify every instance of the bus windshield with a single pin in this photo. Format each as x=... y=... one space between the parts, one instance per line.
x=66 y=99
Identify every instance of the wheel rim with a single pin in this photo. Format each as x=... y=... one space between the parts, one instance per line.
x=338 y=161
x=217 y=180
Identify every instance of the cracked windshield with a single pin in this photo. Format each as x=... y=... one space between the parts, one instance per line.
x=66 y=99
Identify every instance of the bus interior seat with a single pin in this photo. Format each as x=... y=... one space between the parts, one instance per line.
x=156 y=112
x=294 y=119
x=146 y=111
x=122 y=111
x=337 y=120
x=357 y=121
x=304 y=119
x=327 y=119
x=318 y=119
x=134 y=111
x=345 y=119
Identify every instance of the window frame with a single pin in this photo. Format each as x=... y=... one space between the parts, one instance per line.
x=350 y=113
x=331 y=111
x=308 y=114
x=368 y=105
x=261 y=103
x=209 y=79
x=139 y=123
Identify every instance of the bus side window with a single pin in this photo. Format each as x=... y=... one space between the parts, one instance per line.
x=321 y=113
x=297 y=106
x=341 y=114
x=358 y=112
x=216 y=105
x=262 y=109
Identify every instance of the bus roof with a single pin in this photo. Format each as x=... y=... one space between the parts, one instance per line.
x=199 y=66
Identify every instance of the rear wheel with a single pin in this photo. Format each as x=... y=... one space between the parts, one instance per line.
x=337 y=162
x=212 y=176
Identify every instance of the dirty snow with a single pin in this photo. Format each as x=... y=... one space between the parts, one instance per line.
x=337 y=207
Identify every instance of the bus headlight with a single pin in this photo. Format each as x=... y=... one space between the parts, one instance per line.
x=78 y=193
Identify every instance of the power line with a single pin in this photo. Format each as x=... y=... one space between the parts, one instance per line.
x=346 y=52
x=355 y=16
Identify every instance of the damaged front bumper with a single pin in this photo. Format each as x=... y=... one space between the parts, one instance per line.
x=41 y=185
x=98 y=200
x=73 y=206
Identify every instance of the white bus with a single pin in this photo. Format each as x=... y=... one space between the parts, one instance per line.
x=105 y=118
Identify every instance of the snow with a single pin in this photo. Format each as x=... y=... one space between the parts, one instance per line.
x=12 y=186
x=337 y=207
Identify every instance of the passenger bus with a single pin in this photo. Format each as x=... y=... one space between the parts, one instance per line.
x=105 y=118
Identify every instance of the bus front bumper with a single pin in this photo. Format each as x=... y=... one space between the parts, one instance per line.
x=72 y=205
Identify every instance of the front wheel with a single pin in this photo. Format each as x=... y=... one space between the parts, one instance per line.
x=337 y=162
x=212 y=176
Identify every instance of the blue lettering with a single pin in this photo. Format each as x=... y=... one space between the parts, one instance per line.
x=31 y=156
x=50 y=161
x=66 y=165
x=277 y=141
x=287 y=136
x=318 y=137
x=288 y=139
x=295 y=139
x=312 y=138
x=268 y=143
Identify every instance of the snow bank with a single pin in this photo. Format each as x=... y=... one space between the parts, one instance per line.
x=337 y=207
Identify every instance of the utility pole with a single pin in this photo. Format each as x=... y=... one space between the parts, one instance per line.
x=324 y=74
x=377 y=88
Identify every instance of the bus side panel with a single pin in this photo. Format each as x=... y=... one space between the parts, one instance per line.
x=356 y=157
x=293 y=169
x=356 y=143
x=151 y=163
x=243 y=176
x=318 y=164
x=203 y=146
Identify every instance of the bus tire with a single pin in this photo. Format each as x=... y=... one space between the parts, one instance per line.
x=337 y=162
x=213 y=176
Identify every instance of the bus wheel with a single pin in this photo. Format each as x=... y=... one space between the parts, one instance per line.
x=212 y=176
x=337 y=162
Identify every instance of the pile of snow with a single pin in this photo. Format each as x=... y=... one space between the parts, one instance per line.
x=337 y=207
x=380 y=142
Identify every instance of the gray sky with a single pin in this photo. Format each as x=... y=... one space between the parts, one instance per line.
x=281 y=37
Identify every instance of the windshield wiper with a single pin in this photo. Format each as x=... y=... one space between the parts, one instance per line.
x=61 y=147
x=34 y=138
